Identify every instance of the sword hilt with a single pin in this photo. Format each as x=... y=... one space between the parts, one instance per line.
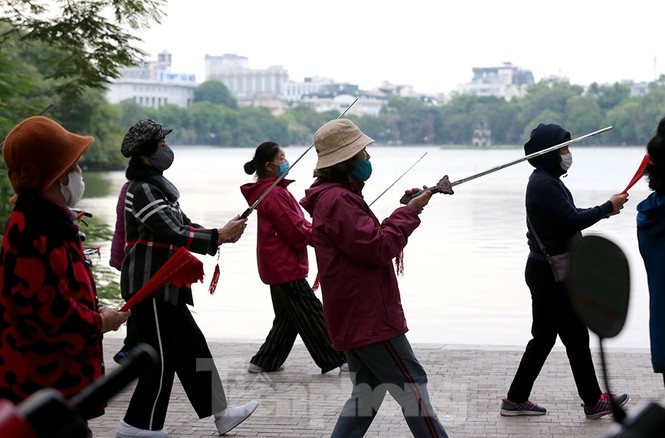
x=406 y=198
x=245 y=214
x=443 y=186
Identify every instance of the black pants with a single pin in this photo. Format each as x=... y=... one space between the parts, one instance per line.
x=182 y=349
x=297 y=312
x=553 y=315
x=131 y=338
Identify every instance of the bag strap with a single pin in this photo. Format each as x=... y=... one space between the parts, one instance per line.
x=533 y=231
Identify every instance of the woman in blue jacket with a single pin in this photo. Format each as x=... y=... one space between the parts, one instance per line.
x=651 y=240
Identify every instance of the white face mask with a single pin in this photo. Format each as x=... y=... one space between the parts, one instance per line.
x=566 y=161
x=73 y=190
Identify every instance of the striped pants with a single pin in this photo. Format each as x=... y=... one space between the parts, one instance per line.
x=388 y=366
x=297 y=312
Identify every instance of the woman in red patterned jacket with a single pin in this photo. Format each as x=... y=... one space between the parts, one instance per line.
x=50 y=325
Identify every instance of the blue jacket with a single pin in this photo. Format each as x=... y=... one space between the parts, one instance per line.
x=651 y=240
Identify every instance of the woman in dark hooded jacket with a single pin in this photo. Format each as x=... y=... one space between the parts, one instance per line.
x=651 y=240
x=553 y=218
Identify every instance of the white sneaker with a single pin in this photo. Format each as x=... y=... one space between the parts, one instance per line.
x=252 y=368
x=127 y=431
x=233 y=416
x=344 y=368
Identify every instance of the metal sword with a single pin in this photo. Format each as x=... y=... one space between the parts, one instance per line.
x=400 y=177
x=434 y=189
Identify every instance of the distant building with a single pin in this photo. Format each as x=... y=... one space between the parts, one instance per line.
x=294 y=91
x=153 y=85
x=243 y=82
x=367 y=105
x=393 y=90
x=507 y=81
x=482 y=134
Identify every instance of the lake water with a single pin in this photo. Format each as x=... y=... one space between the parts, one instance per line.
x=464 y=266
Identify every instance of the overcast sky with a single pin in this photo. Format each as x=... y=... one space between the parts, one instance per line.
x=429 y=44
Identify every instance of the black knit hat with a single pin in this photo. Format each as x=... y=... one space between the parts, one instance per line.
x=143 y=132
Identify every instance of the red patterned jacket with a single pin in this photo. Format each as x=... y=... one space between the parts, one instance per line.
x=50 y=327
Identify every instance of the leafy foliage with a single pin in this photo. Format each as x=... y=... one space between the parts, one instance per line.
x=92 y=33
x=106 y=278
x=215 y=92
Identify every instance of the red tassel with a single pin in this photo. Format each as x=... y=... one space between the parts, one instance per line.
x=215 y=276
x=315 y=286
x=215 y=279
x=399 y=263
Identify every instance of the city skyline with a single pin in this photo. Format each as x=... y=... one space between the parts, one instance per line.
x=430 y=47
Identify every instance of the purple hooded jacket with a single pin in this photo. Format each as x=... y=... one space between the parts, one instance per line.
x=118 y=242
x=354 y=253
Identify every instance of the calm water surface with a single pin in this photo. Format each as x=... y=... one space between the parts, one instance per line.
x=464 y=266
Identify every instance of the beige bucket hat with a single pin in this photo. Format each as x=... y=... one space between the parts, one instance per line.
x=337 y=141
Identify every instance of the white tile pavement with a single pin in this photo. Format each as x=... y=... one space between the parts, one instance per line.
x=466 y=384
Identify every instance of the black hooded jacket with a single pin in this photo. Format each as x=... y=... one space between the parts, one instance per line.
x=549 y=204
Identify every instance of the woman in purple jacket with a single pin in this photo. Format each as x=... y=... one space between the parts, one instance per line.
x=361 y=300
x=281 y=251
x=117 y=256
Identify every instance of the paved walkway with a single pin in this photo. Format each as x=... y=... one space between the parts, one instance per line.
x=465 y=385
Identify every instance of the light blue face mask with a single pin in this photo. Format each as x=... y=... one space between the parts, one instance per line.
x=362 y=170
x=283 y=167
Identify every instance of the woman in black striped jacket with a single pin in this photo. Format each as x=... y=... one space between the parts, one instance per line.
x=155 y=228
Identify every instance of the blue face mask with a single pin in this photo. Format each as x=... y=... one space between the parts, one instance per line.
x=283 y=167
x=362 y=170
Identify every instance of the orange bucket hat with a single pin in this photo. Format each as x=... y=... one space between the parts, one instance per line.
x=38 y=150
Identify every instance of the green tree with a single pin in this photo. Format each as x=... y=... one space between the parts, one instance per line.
x=622 y=118
x=91 y=115
x=214 y=92
x=90 y=39
x=546 y=116
x=19 y=87
x=546 y=96
x=608 y=96
x=298 y=133
x=256 y=125
x=583 y=115
x=213 y=124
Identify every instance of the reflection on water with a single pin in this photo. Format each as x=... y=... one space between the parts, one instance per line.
x=464 y=266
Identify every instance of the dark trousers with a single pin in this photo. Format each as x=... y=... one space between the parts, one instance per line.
x=131 y=338
x=297 y=312
x=553 y=315
x=182 y=349
x=392 y=367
